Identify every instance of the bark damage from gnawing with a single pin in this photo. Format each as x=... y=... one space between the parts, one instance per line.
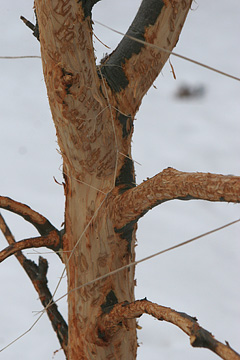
x=113 y=69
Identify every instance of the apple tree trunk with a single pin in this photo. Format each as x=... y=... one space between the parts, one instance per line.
x=93 y=109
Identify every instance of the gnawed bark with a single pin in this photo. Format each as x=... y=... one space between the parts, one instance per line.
x=171 y=184
x=93 y=108
x=108 y=324
x=132 y=67
x=94 y=125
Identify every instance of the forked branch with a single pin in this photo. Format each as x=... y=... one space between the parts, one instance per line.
x=38 y=277
x=109 y=324
x=171 y=184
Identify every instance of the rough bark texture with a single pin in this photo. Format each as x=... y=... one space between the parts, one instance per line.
x=199 y=337
x=171 y=184
x=93 y=110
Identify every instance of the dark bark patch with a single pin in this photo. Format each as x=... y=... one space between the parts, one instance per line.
x=186 y=316
x=113 y=68
x=102 y=335
x=126 y=177
x=87 y=6
x=126 y=233
x=127 y=124
x=187 y=197
x=203 y=338
x=111 y=300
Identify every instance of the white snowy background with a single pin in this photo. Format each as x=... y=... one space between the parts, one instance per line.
x=198 y=134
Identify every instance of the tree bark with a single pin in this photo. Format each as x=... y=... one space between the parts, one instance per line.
x=93 y=110
x=199 y=337
x=171 y=184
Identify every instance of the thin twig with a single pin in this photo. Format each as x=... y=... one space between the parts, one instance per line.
x=28 y=23
x=31 y=26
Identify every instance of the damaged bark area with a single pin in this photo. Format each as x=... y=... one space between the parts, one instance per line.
x=93 y=109
x=171 y=184
x=109 y=323
x=132 y=67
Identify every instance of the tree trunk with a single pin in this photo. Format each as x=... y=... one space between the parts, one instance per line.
x=93 y=110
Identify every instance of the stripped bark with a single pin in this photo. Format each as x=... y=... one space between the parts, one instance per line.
x=110 y=322
x=93 y=108
x=171 y=184
x=94 y=124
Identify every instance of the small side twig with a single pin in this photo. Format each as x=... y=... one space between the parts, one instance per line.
x=31 y=26
x=38 y=277
x=109 y=324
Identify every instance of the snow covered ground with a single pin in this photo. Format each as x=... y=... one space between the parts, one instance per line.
x=195 y=134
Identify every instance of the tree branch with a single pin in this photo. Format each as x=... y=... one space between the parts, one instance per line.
x=34 y=28
x=50 y=241
x=109 y=323
x=38 y=277
x=172 y=184
x=132 y=67
x=10 y=239
x=43 y=226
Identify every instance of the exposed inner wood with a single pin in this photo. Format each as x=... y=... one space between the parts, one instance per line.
x=94 y=126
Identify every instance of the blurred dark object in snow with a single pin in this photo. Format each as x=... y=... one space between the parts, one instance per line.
x=189 y=91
